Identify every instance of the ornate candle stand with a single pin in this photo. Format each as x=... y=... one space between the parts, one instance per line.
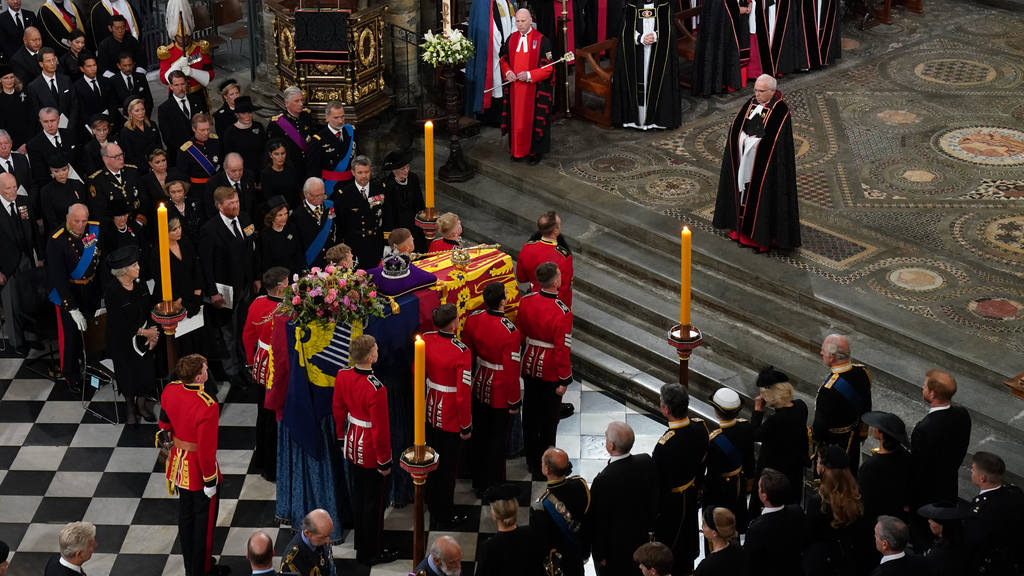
x=426 y=220
x=456 y=169
x=168 y=314
x=685 y=339
x=419 y=461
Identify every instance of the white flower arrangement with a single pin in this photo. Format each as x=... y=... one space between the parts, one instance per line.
x=446 y=50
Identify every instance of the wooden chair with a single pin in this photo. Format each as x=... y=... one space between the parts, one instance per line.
x=227 y=15
x=204 y=27
x=687 y=42
x=598 y=81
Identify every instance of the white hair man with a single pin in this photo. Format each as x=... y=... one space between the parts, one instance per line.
x=294 y=126
x=77 y=542
x=443 y=559
x=842 y=399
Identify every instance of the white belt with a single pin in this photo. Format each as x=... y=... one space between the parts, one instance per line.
x=363 y=423
x=439 y=388
x=263 y=345
x=486 y=364
x=533 y=342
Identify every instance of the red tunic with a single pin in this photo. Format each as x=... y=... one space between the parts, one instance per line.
x=538 y=252
x=198 y=58
x=256 y=337
x=449 y=382
x=546 y=323
x=523 y=95
x=496 y=345
x=192 y=416
x=442 y=245
x=361 y=401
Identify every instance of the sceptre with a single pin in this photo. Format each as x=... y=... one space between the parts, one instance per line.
x=569 y=58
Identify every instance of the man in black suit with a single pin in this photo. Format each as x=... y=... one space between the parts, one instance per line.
x=77 y=543
x=624 y=504
x=13 y=23
x=24 y=61
x=310 y=218
x=53 y=89
x=234 y=175
x=260 y=552
x=93 y=93
x=891 y=537
x=175 y=115
x=993 y=529
x=227 y=245
x=127 y=81
x=775 y=539
x=938 y=446
x=17 y=164
x=109 y=51
x=47 y=143
x=366 y=221
x=680 y=459
x=18 y=238
x=443 y=558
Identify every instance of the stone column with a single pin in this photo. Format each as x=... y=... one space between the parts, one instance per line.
x=264 y=87
x=404 y=52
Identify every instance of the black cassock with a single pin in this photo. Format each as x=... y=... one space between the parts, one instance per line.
x=823 y=31
x=722 y=42
x=787 y=51
x=657 y=90
x=767 y=213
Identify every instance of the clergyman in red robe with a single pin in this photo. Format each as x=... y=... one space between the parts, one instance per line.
x=527 y=110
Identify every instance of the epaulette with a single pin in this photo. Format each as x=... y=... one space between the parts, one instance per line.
x=163 y=52
x=93 y=222
x=565 y=309
x=132 y=166
x=508 y=325
x=274 y=119
x=480 y=311
x=666 y=436
x=306 y=110
x=316 y=136
x=186 y=145
x=528 y=295
x=831 y=381
x=206 y=397
x=715 y=433
x=204 y=46
x=377 y=384
x=697 y=419
x=96 y=173
x=458 y=344
x=562 y=250
x=59 y=232
x=741 y=419
x=214 y=136
x=585 y=487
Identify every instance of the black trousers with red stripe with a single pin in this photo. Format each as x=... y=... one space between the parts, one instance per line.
x=72 y=353
x=541 y=404
x=197 y=516
x=369 y=500
x=441 y=483
x=489 y=442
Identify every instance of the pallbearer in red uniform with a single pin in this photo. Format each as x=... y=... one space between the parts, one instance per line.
x=527 y=113
x=546 y=323
x=449 y=416
x=361 y=414
x=191 y=58
x=256 y=342
x=547 y=245
x=496 y=344
x=449 y=227
x=189 y=418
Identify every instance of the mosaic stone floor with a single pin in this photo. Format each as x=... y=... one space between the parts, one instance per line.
x=910 y=160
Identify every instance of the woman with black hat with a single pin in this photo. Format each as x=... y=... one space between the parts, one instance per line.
x=16 y=113
x=279 y=176
x=120 y=231
x=92 y=159
x=404 y=195
x=949 y=555
x=186 y=209
x=882 y=479
x=59 y=195
x=279 y=241
x=837 y=537
x=130 y=334
x=783 y=435
x=225 y=115
x=139 y=136
x=246 y=136
x=512 y=551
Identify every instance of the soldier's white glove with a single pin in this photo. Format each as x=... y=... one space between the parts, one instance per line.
x=80 y=320
x=201 y=76
x=210 y=491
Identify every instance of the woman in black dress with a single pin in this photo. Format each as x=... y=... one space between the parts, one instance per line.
x=92 y=158
x=950 y=554
x=139 y=137
x=882 y=479
x=512 y=551
x=70 y=61
x=246 y=136
x=404 y=195
x=839 y=541
x=16 y=113
x=727 y=558
x=159 y=175
x=130 y=334
x=279 y=241
x=186 y=286
x=188 y=210
x=783 y=435
x=279 y=177
x=225 y=115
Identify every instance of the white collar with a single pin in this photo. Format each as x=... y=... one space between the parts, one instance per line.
x=989 y=489
x=10 y=158
x=13 y=12
x=891 y=557
x=70 y=566
x=184 y=99
x=48 y=78
x=125 y=76
x=93 y=79
x=230 y=181
x=772 y=509
x=311 y=207
x=31 y=52
x=227 y=221
x=617 y=458
x=7 y=204
x=53 y=137
x=263 y=571
x=937 y=408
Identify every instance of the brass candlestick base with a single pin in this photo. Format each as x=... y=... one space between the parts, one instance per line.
x=168 y=314
x=419 y=461
x=685 y=339
x=426 y=220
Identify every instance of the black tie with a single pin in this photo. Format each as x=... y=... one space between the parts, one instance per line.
x=128 y=79
x=238 y=233
x=184 y=108
x=18 y=19
x=95 y=88
x=19 y=234
x=14 y=216
x=10 y=167
x=56 y=138
x=53 y=89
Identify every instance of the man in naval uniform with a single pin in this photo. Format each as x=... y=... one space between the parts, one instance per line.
x=72 y=258
x=646 y=81
x=730 y=462
x=117 y=181
x=993 y=529
x=309 y=553
x=757 y=200
x=365 y=215
x=557 y=518
x=680 y=458
x=332 y=150
x=200 y=158
x=546 y=245
x=842 y=399
x=294 y=126
x=190 y=58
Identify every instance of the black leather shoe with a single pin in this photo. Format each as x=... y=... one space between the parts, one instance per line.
x=22 y=349
x=514 y=159
x=75 y=387
x=387 y=555
x=218 y=570
x=566 y=410
x=535 y=159
x=456 y=521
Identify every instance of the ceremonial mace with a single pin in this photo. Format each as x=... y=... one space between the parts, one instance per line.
x=565 y=42
x=568 y=58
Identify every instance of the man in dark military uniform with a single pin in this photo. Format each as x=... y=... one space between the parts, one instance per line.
x=557 y=517
x=117 y=181
x=200 y=158
x=842 y=399
x=365 y=219
x=309 y=552
x=60 y=193
x=315 y=222
x=680 y=456
x=993 y=529
x=295 y=127
x=332 y=150
x=730 y=462
x=72 y=258
x=189 y=420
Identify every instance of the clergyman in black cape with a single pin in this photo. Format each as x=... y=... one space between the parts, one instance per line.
x=723 y=41
x=646 y=82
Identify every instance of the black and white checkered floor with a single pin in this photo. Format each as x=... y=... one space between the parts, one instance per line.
x=60 y=464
